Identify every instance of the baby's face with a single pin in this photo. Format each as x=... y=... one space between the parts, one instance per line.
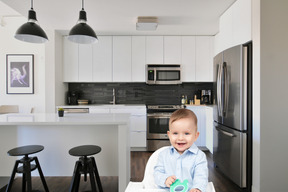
x=182 y=134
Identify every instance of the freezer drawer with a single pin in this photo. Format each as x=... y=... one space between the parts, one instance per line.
x=230 y=153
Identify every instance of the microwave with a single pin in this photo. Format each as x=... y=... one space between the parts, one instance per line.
x=163 y=74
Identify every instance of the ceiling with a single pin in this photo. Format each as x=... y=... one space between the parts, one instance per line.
x=119 y=17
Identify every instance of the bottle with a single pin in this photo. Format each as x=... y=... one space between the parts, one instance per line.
x=183 y=100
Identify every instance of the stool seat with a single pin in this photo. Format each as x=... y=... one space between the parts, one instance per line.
x=84 y=150
x=25 y=150
x=27 y=167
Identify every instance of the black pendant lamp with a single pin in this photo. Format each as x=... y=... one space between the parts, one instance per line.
x=31 y=32
x=82 y=33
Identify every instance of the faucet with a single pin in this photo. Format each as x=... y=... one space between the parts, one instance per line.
x=114 y=97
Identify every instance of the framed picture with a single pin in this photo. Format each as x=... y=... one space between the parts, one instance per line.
x=20 y=74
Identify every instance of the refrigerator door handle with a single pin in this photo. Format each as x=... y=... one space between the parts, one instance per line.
x=225 y=132
x=219 y=90
x=245 y=87
x=226 y=89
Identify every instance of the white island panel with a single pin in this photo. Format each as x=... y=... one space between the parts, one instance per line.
x=59 y=134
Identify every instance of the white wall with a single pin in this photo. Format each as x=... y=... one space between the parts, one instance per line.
x=9 y=45
x=272 y=66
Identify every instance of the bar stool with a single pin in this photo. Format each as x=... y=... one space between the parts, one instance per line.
x=85 y=165
x=27 y=167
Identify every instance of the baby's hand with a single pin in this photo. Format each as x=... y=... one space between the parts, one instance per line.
x=194 y=190
x=170 y=180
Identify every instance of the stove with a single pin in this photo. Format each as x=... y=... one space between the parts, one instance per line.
x=158 y=124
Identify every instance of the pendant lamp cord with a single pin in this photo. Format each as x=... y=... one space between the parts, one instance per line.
x=31 y=4
x=82 y=4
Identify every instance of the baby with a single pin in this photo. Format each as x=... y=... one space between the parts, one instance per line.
x=183 y=160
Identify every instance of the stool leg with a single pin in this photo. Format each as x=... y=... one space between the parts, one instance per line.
x=97 y=174
x=27 y=171
x=23 y=182
x=41 y=174
x=8 y=189
x=75 y=177
x=92 y=179
x=77 y=182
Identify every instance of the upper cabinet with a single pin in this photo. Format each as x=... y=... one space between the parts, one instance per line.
x=70 y=61
x=102 y=59
x=123 y=58
x=234 y=26
x=138 y=58
x=154 y=50
x=204 y=59
x=172 y=49
x=85 y=63
x=188 y=63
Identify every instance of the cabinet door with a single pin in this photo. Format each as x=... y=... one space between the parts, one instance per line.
x=138 y=139
x=188 y=59
x=102 y=59
x=138 y=123
x=209 y=128
x=122 y=58
x=138 y=58
x=154 y=50
x=204 y=62
x=85 y=63
x=70 y=61
x=172 y=49
x=200 y=112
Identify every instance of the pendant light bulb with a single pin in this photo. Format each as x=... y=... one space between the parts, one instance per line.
x=82 y=33
x=31 y=32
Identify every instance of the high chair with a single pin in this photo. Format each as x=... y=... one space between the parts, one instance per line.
x=148 y=183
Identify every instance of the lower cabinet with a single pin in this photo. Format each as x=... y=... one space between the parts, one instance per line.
x=205 y=126
x=137 y=124
x=200 y=112
x=209 y=129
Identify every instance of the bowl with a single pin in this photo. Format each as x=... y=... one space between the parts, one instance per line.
x=82 y=102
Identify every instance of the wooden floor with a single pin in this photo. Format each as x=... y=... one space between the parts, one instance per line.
x=110 y=184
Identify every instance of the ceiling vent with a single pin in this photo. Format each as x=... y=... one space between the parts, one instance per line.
x=147 y=23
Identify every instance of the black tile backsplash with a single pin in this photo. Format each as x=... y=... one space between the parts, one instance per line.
x=137 y=93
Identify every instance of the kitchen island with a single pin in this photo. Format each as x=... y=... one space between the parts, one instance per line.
x=59 y=134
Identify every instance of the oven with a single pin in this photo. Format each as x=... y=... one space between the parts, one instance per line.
x=158 y=124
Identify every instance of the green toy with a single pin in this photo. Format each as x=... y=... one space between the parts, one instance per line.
x=177 y=186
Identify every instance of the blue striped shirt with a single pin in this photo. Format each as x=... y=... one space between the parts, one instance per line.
x=191 y=165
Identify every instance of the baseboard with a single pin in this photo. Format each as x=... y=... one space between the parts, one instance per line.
x=138 y=149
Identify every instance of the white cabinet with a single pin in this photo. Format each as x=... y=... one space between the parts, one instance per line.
x=102 y=59
x=137 y=124
x=122 y=58
x=154 y=50
x=204 y=59
x=188 y=59
x=172 y=49
x=70 y=61
x=138 y=58
x=234 y=26
x=200 y=112
x=209 y=128
x=85 y=63
x=99 y=110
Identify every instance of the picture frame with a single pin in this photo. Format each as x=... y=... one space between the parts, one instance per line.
x=20 y=74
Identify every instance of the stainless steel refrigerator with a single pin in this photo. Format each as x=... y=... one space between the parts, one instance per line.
x=232 y=133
